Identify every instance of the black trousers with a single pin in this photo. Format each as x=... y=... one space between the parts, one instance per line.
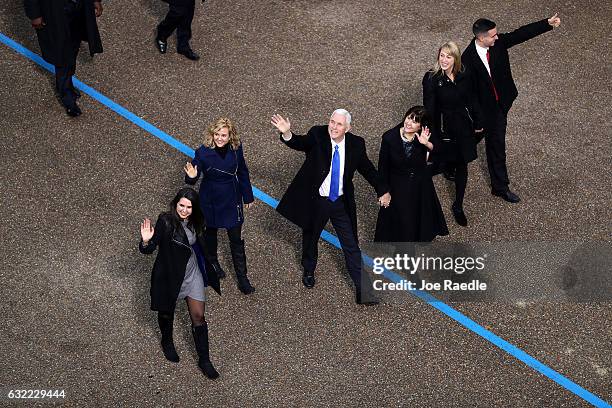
x=461 y=177
x=495 y=146
x=325 y=210
x=179 y=18
x=75 y=16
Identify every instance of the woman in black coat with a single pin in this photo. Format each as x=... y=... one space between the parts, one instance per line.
x=448 y=98
x=414 y=213
x=179 y=272
x=225 y=191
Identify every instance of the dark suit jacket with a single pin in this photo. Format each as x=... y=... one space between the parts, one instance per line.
x=54 y=38
x=297 y=202
x=500 y=68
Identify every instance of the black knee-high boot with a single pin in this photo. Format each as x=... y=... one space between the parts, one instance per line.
x=239 y=258
x=210 y=239
x=166 y=321
x=200 y=337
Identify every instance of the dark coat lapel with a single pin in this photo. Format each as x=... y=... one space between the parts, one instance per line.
x=476 y=61
x=180 y=236
x=326 y=154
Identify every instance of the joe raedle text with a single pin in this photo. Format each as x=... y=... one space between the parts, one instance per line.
x=447 y=285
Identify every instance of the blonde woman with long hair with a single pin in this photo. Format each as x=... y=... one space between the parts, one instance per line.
x=449 y=99
x=225 y=192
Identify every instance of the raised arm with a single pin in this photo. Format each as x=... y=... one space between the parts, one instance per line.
x=296 y=142
x=149 y=236
x=529 y=31
x=192 y=170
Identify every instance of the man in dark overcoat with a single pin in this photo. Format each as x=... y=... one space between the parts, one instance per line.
x=323 y=190
x=61 y=25
x=487 y=57
x=179 y=18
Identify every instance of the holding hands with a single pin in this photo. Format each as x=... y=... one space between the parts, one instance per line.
x=384 y=200
x=191 y=170
x=38 y=23
x=98 y=8
x=146 y=231
x=554 y=21
x=283 y=125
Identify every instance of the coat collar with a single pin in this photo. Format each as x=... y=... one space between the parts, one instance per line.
x=180 y=236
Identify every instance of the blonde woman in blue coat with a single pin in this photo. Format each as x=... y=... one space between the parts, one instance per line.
x=225 y=191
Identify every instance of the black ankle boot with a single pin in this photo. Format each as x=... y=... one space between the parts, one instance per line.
x=200 y=337
x=239 y=258
x=166 y=322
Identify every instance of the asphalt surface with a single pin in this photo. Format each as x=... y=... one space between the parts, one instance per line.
x=75 y=290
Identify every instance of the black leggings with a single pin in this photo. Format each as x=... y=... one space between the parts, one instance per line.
x=461 y=178
x=210 y=237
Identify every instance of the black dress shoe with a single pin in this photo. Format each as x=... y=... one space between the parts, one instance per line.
x=308 y=279
x=162 y=46
x=73 y=110
x=189 y=54
x=366 y=299
x=507 y=195
x=459 y=216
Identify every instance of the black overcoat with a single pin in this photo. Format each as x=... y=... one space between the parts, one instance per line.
x=415 y=214
x=298 y=201
x=169 y=268
x=454 y=113
x=501 y=73
x=54 y=38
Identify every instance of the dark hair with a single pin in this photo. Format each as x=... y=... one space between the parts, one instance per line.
x=196 y=219
x=418 y=114
x=482 y=25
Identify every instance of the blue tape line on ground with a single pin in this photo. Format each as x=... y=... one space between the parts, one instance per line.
x=332 y=239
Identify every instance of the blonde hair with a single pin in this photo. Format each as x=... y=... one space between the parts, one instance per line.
x=234 y=139
x=453 y=49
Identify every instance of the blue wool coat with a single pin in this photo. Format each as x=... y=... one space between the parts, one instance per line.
x=225 y=186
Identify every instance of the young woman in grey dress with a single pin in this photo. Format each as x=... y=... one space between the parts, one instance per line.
x=180 y=272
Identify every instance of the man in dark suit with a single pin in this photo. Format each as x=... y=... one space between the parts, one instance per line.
x=179 y=18
x=487 y=57
x=323 y=190
x=61 y=25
